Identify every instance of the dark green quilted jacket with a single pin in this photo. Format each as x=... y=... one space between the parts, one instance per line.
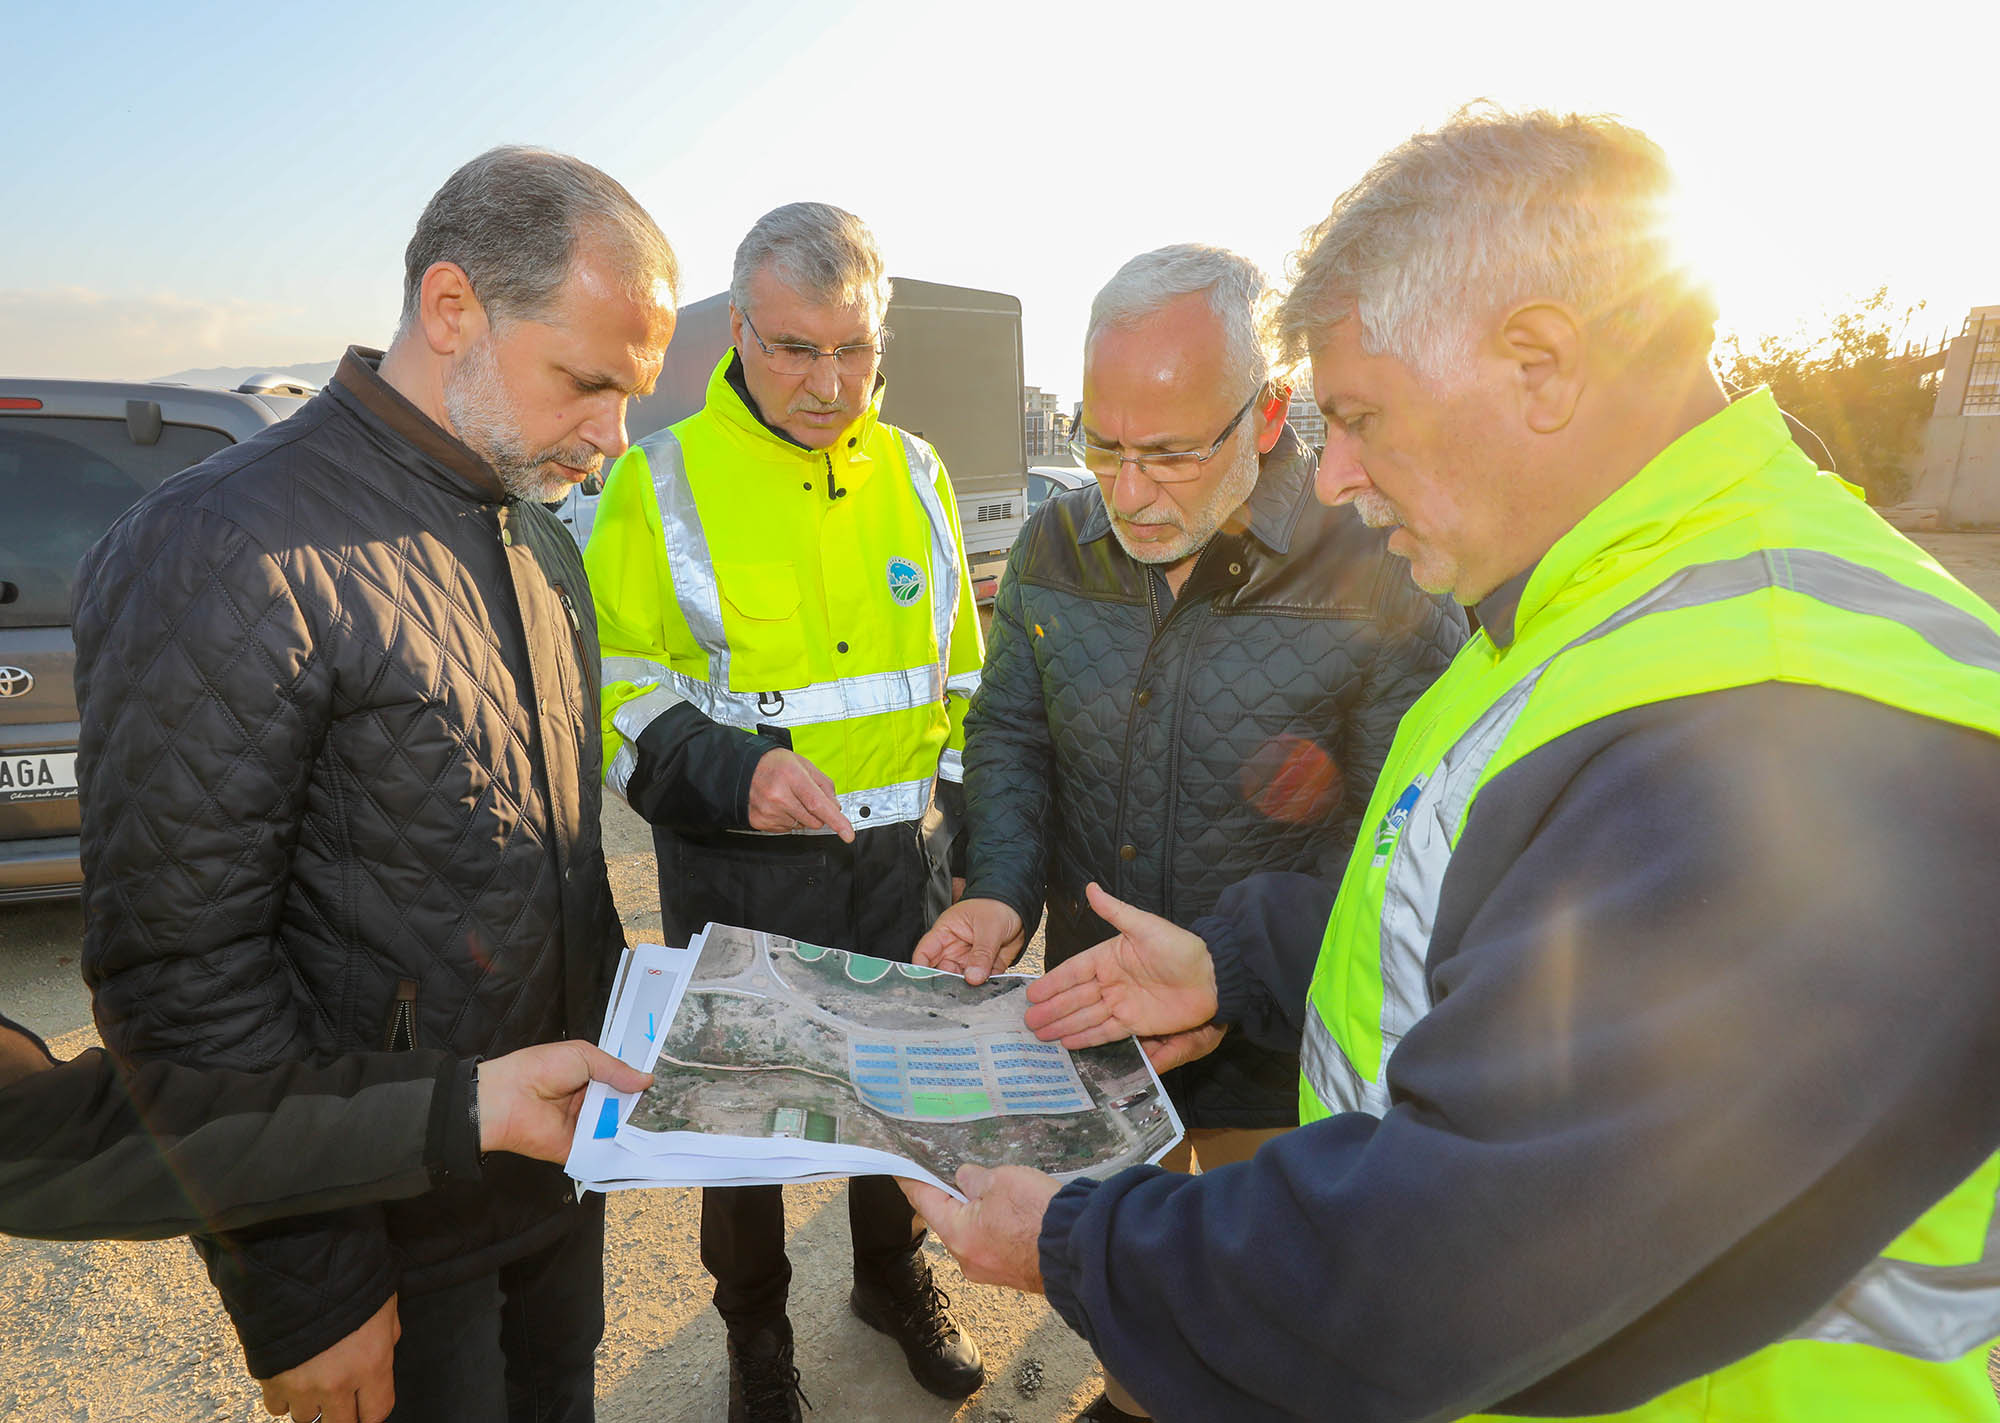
x=1168 y=753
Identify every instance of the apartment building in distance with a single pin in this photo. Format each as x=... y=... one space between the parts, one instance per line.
x=1044 y=427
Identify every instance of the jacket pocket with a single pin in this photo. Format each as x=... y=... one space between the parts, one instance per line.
x=767 y=641
x=400 y=1035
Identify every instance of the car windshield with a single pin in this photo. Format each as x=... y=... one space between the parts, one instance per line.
x=63 y=482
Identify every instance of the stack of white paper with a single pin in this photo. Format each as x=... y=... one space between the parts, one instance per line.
x=777 y=1061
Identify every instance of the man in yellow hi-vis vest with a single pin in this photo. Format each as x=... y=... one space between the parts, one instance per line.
x=1648 y=1065
x=790 y=641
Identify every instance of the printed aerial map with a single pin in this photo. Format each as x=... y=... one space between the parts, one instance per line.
x=775 y=1038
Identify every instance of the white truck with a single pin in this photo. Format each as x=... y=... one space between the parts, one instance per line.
x=953 y=364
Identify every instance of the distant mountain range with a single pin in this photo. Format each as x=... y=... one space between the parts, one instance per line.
x=229 y=377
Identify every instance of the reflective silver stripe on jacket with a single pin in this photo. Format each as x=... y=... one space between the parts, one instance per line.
x=699 y=593
x=633 y=717
x=887 y=805
x=944 y=549
x=618 y=770
x=809 y=706
x=962 y=684
x=884 y=805
x=693 y=571
x=951 y=765
x=1932 y=1312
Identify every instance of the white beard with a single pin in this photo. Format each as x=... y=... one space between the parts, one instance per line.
x=1198 y=526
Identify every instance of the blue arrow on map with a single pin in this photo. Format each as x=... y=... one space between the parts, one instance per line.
x=650 y=1030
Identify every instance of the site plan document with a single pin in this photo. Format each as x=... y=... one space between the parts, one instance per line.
x=776 y=1061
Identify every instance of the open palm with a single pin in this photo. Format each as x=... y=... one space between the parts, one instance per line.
x=1153 y=980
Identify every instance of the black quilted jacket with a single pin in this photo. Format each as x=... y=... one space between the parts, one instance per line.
x=1168 y=756
x=339 y=779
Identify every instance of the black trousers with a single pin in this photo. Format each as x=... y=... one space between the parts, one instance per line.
x=743 y=1243
x=876 y=896
x=518 y=1344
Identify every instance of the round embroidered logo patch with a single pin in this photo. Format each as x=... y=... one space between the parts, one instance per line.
x=906 y=581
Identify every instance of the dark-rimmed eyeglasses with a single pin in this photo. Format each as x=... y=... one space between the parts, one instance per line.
x=1160 y=466
x=792 y=358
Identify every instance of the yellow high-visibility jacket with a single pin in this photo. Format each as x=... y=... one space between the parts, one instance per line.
x=817 y=599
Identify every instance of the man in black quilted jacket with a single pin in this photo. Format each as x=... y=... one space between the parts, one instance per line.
x=339 y=773
x=1194 y=669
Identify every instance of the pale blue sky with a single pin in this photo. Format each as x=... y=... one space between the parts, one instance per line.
x=231 y=185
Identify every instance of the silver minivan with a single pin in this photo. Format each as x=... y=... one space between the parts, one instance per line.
x=74 y=455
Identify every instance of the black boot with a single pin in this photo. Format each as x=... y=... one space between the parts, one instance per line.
x=906 y=1304
x=763 y=1383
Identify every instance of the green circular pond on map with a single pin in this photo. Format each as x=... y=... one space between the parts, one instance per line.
x=862 y=969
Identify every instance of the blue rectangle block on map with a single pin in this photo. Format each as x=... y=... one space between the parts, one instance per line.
x=607 y=1120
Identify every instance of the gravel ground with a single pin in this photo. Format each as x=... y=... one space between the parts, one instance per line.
x=103 y=1333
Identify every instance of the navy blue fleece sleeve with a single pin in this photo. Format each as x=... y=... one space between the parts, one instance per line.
x=1264 y=937
x=1713 y=1023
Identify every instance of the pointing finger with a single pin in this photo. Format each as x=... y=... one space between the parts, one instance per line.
x=825 y=810
x=816 y=807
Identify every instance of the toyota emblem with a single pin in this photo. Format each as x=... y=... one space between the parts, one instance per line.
x=16 y=681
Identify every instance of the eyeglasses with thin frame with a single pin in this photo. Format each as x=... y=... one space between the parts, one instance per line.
x=791 y=358
x=1160 y=466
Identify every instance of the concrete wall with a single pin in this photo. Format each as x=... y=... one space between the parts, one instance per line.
x=1961 y=470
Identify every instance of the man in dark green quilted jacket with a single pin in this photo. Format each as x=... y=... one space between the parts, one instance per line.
x=1194 y=669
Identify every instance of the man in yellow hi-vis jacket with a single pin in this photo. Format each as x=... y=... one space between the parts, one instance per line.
x=790 y=642
x=1648 y=1067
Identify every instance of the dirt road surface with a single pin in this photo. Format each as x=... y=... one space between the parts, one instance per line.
x=104 y=1333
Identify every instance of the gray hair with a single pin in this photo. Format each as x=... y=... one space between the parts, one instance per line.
x=1238 y=294
x=1496 y=207
x=513 y=217
x=816 y=249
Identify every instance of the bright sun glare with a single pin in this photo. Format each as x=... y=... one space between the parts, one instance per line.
x=1765 y=279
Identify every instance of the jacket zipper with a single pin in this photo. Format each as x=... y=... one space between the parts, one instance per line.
x=1173 y=727
x=402 y=1035
x=1174 y=741
x=576 y=642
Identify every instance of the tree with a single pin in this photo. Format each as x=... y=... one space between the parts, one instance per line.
x=1853 y=382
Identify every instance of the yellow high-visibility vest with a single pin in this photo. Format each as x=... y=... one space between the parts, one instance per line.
x=820 y=592
x=1727 y=561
